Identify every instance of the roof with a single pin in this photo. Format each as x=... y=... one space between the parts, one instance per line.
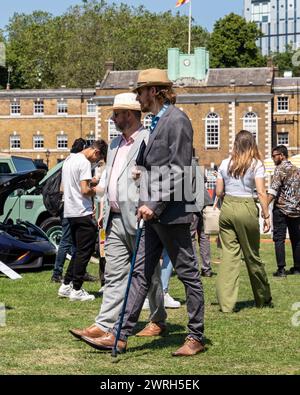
x=258 y=76
x=284 y=82
x=46 y=93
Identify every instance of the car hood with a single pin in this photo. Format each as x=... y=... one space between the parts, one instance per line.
x=23 y=180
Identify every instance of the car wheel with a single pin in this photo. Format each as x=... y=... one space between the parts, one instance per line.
x=53 y=229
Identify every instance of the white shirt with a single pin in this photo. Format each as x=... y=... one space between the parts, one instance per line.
x=76 y=168
x=242 y=186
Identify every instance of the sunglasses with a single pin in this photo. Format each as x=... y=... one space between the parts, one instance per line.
x=274 y=155
x=117 y=113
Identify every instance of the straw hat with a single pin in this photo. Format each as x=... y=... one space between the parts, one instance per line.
x=152 y=77
x=126 y=101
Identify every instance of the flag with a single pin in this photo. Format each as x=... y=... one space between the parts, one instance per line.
x=181 y=2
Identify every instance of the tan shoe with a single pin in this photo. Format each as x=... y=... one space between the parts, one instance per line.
x=105 y=342
x=152 y=329
x=92 y=331
x=190 y=347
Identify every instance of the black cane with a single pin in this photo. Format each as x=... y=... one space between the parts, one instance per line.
x=140 y=226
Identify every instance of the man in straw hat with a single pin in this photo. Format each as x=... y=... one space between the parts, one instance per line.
x=167 y=220
x=121 y=196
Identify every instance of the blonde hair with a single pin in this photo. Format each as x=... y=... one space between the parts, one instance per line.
x=244 y=152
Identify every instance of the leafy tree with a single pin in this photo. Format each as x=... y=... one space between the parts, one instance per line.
x=71 y=49
x=3 y=72
x=287 y=61
x=233 y=43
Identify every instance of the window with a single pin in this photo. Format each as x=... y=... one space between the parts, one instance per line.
x=38 y=142
x=282 y=103
x=4 y=168
x=211 y=179
x=62 y=141
x=62 y=107
x=23 y=164
x=90 y=138
x=112 y=130
x=39 y=107
x=212 y=130
x=148 y=121
x=15 y=141
x=91 y=107
x=250 y=123
x=15 y=107
x=283 y=138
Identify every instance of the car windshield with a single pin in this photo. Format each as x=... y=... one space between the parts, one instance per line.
x=23 y=164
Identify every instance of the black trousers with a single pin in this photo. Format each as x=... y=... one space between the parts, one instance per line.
x=178 y=243
x=281 y=223
x=84 y=233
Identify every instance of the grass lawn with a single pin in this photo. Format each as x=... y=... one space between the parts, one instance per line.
x=36 y=340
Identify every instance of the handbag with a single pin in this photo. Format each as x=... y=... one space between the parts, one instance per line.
x=211 y=216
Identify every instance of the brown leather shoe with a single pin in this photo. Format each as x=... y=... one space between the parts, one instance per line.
x=152 y=329
x=105 y=342
x=190 y=347
x=92 y=331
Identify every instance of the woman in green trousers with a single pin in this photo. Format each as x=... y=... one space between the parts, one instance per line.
x=238 y=176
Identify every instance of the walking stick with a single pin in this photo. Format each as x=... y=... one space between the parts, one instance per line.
x=140 y=226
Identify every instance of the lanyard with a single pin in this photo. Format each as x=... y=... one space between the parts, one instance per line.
x=157 y=118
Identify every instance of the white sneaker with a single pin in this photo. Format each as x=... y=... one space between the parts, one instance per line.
x=170 y=302
x=65 y=290
x=146 y=305
x=81 y=295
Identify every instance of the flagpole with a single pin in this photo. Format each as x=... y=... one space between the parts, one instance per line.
x=190 y=27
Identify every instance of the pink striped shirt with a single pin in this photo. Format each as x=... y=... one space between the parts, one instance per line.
x=120 y=159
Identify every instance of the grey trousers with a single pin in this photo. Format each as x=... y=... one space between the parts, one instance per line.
x=119 y=247
x=178 y=243
x=203 y=241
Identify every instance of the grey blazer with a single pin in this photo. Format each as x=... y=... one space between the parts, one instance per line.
x=127 y=188
x=169 y=146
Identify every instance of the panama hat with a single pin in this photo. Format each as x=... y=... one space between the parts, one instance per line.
x=152 y=77
x=126 y=101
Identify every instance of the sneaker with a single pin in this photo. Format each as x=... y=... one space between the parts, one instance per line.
x=170 y=302
x=57 y=278
x=280 y=273
x=80 y=295
x=88 y=277
x=146 y=305
x=65 y=290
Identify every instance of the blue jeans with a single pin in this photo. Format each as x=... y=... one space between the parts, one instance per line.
x=65 y=247
x=166 y=270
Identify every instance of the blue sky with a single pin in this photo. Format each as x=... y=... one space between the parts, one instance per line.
x=204 y=12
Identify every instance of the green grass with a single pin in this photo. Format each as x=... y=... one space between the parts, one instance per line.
x=36 y=340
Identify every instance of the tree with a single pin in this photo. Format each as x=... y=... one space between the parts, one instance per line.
x=287 y=61
x=3 y=72
x=233 y=43
x=71 y=49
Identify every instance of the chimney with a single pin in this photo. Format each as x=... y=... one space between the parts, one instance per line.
x=109 y=65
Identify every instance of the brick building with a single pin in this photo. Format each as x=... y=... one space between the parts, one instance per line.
x=43 y=123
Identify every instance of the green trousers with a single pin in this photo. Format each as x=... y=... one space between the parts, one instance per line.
x=239 y=232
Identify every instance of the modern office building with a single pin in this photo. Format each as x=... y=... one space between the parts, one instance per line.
x=279 y=20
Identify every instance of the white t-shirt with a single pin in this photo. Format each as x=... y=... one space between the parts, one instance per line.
x=76 y=168
x=243 y=186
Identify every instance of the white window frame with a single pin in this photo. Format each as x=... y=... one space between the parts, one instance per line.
x=15 y=108
x=15 y=139
x=280 y=104
x=112 y=130
x=90 y=138
x=250 y=123
x=62 y=107
x=91 y=105
x=62 y=138
x=212 y=120
x=38 y=142
x=38 y=107
x=283 y=134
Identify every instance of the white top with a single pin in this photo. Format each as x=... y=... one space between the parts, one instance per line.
x=243 y=186
x=76 y=168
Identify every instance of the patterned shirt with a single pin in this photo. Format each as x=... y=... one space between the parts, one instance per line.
x=285 y=187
